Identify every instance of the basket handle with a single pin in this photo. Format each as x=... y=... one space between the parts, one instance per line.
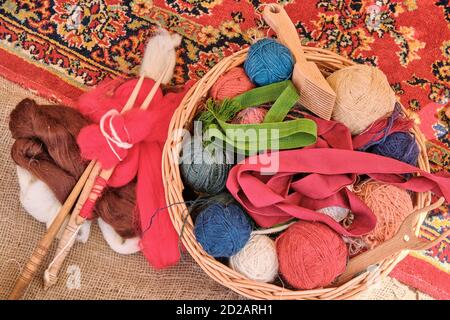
x=278 y=19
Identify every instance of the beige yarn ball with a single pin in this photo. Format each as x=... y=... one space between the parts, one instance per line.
x=363 y=95
x=258 y=260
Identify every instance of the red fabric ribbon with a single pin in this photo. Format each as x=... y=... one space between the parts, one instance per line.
x=147 y=132
x=316 y=177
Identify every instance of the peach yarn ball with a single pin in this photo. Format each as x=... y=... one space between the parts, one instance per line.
x=252 y=115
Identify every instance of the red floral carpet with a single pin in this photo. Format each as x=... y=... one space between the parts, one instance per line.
x=61 y=47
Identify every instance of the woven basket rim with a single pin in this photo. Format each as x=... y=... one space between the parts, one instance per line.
x=328 y=62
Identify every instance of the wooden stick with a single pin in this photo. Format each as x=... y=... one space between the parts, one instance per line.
x=67 y=240
x=43 y=246
x=72 y=228
x=404 y=239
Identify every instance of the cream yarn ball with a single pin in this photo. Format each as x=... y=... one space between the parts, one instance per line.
x=363 y=95
x=258 y=259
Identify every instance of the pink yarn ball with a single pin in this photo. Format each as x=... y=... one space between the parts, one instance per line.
x=231 y=84
x=250 y=116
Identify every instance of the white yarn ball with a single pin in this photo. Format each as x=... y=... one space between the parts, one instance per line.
x=337 y=213
x=258 y=259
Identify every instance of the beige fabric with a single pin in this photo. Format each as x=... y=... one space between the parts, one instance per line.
x=103 y=273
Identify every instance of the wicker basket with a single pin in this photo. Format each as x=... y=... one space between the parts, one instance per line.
x=328 y=62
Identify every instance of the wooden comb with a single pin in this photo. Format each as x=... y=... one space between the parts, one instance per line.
x=316 y=94
x=405 y=239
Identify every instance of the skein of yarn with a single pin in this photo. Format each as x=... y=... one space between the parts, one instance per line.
x=268 y=61
x=204 y=169
x=363 y=95
x=399 y=145
x=46 y=147
x=40 y=202
x=311 y=255
x=390 y=204
x=46 y=144
x=250 y=115
x=231 y=84
x=258 y=259
x=222 y=230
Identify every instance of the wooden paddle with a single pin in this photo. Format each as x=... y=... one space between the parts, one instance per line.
x=315 y=93
x=405 y=239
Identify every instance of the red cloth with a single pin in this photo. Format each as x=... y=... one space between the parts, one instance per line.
x=273 y=199
x=147 y=131
x=372 y=134
x=330 y=166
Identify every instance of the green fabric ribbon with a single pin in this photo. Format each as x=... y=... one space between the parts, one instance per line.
x=273 y=133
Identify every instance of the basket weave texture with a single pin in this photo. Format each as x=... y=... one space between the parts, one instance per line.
x=327 y=62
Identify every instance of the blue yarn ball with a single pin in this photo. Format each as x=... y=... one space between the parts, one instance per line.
x=399 y=145
x=222 y=230
x=268 y=62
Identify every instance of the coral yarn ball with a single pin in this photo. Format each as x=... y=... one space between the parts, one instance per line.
x=231 y=84
x=310 y=255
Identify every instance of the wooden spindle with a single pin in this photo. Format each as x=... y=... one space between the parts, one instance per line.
x=44 y=244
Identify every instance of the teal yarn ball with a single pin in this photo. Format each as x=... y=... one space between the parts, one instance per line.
x=202 y=170
x=222 y=230
x=268 y=62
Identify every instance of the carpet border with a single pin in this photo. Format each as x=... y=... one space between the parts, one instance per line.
x=405 y=273
x=20 y=71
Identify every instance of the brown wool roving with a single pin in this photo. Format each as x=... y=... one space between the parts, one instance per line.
x=311 y=255
x=46 y=146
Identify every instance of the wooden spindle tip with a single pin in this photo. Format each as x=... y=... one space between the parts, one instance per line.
x=49 y=280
